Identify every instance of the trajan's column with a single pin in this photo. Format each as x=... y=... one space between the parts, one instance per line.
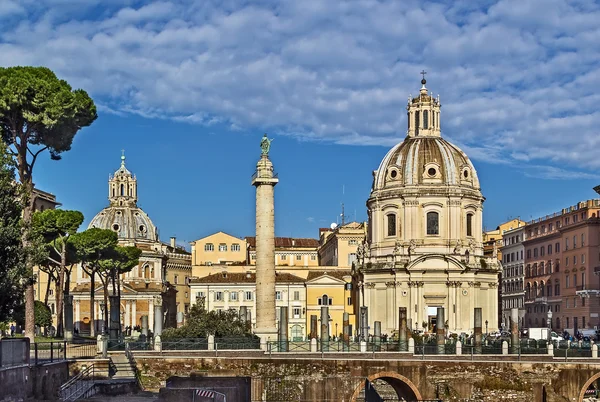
x=264 y=180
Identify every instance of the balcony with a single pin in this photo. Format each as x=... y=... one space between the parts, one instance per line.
x=542 y=300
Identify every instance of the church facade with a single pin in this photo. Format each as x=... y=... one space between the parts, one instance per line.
x=146 y=285
x=423 y=249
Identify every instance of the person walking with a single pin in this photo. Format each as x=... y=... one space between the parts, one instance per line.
x=12 y=330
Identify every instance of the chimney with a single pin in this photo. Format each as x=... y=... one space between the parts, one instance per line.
x=173 y=241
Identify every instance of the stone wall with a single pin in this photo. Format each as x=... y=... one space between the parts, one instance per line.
x=37 y=382
x=342 y=380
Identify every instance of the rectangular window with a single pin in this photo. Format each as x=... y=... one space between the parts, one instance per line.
x=352 y=242
x=218 y=296
x=549 y=249
x=176 y=279
x=349 y=301
x=199 y=295
x=583 y=258
x=296 y=312
x=528 y=253
x=535 y=252
x=542 y=251
x=574 y=260
x=233 y=296
x=222 y=247
x=574 y=241
x=209 y=247
x=298 y=258
x=278 y=295
x=469 y=224
x=574 y=280
x=283 y=257
x=296 y=295
x=247 y=295
x=313 y=257
x=433 y=223
x=235 y=247
x=566 y=244
x=566 y=261
x=550 y=227
x=566 y=281
x=557 y=247
x=582 y=240
x=391 y=224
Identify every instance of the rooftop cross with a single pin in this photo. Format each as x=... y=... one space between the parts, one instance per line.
x=423 y=81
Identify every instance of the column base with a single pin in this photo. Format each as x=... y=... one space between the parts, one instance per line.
x=266 y=335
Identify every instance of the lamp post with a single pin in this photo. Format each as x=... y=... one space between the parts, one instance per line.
x=486 y=327
x=336 y=330
x=102 y=307
x=549 y=322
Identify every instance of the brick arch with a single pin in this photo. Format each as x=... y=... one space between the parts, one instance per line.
x=383 y=375
x=586 y=385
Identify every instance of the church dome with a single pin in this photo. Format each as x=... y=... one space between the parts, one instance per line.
x=425 y=160
x=130 y=223
x=123 y=215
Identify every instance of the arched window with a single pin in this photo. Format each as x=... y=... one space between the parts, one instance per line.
x=542 y=287
x=122 y=189
x=408 y=119
x=417 y=122
x=528 y=291
x=391 y=224
x=325 y=300
x=425 y=119
x=433 y=227
x=469 y=224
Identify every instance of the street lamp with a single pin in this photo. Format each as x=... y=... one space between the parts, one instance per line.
x=336 y=330
x=549 y=321
x=486 y=327
x=102 y=306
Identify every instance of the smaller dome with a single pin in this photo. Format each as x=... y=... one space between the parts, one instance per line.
x=129 y=223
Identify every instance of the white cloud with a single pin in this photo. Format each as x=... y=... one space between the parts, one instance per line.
x=518 y=80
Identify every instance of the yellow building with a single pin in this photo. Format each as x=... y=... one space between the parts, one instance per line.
x=289 y=251
x=493 y=238
x=179 y=271
x=218 y=248
x=337 y=246
x=331 y=289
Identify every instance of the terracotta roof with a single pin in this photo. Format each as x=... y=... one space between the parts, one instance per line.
x=240 y=277
x=287 y=242
x=138 y=287
x=335 y=274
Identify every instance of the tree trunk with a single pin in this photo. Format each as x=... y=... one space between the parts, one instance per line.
x=48 y=285
x=60 y=284
x=92 y=302
x=106 y=310
x=28 y=200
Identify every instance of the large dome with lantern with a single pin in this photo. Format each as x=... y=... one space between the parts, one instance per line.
x=123 y=215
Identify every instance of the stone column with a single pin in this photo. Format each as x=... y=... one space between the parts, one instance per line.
x=151 y=314
x=145 y=326
x=114 y=321
x=514 y=331
x=324 y=328
x=283 y=329
x=158 y=315
x=68 y=317
x=377 y=335
x=77 y=315
x=364 y=323
x=264 y=180
x=477 y=330
x=402 y=333
x=313 y=327
x=440 y=325
x=346 y=327
x=134 y=320
x=127 y=313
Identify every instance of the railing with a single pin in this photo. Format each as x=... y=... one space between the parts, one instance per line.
x=79 y=385
x=48 y=352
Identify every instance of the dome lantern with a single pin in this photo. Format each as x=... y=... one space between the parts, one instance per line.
x=423 y=113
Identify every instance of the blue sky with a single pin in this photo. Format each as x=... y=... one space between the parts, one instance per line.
x=187 y=88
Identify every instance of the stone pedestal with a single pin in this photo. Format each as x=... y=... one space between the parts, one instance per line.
x=477 y=329
x=402 y=331
x=514 y=331
x=440 y=331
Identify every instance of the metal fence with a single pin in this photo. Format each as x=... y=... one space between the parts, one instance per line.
x=18 y=351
